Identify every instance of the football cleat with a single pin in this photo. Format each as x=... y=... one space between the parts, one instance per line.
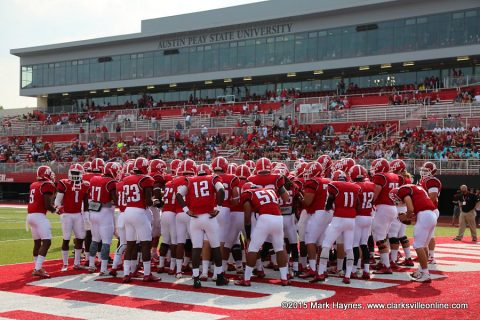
x=231 y=267
x=221 y=280
x=103 y=273
x=308 y=274
x=41 y=273
x=186 y=268
x=161 y=270
x=340 y=274
x=179 y=275
x=64 y=268
x=92 y=269
x=319 y=277
x=393 y=265
x=197 y=282
x=407 y=263
x=432 y=261
x=113 y=273
x=203 y=277
x=243 y=283
x=366 y=275
x=416 y=274
x=346 y=280
x=170 y=272
x=285 y=283
x=425 y=278
x=151 y=278
x=78 y=267
x=127 y=278
x=383 y=270
x=260 y=274
x=240 y=271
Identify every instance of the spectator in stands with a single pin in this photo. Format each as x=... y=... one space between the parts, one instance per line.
x=188 y=119
x=118 y=128
x=179 y=126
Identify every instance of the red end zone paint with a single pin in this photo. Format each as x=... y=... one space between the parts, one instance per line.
x=29 y=315
x=457 y=287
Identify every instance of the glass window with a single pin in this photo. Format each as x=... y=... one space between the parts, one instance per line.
x=405 y=35
x=334 y=44
x=195 y=59
x=301 y=47
x=125 y=67
x=457 y=28
x=147 y=65
x=270 y=51
x=246 y=54
x=112 y=69
x=37 y=76
x=179 y=62
x=472 y=27
x=60 y=73
x=27 y=76
x=260 y=52
x=284 y=49
x=211 y=57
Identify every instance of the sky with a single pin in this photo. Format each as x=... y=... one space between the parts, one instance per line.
x=28 y=23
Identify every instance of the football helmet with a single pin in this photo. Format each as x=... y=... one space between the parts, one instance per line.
x=243 y=172
x=156 y=166
x=113 y=169
x=397 y=166
x=75 y=173
x=45 y=173
x=250 y=164
x=357 y=173
x=220 y=164
x=98 y=165
x=174 y=165
x=87 y=166
x=379 y=166
x=313 y=170
x=429 y=169
x=187 y=167
x=140 y=165
x=232 y=167
x=339 y=175
x=204 y=170
x=263 y=165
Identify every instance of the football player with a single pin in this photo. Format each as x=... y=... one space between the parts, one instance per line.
x=156 y=169
x=86 y=177
x=433 y=186
x=138 y=193
x=344 y=198
x=101 y=206
x=41 y=200
x=204 y=196
x=386 y=211
x=72 y=195
x=263 y=202
x=419 y=205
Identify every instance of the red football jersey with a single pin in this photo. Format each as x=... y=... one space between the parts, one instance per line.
x=366 y=198
x=176 y=183
x=239 y=207
x=133 y=190
x=230 y=181
x=201 y=193
x=387 y=181
x=432 y=184
x=168 y=177
x=300 y=183
x=287 y=207
x=318 y=186
x=169 y=199
x=272 y=181
x=347 y=195
x=73 y=197
x=159 y=181
x=121 y=202
x=87 y=176
x=420 y=199
x=37 y=190
x=263 y=201
x=100 y=188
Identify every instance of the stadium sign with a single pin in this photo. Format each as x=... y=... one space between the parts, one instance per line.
x=214 y=37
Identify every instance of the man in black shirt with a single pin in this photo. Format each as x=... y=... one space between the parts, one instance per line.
x=467 y=204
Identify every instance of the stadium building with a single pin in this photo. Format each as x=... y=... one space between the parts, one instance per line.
x=250 y=49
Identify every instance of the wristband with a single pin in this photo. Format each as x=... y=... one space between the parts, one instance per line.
x=186 y=209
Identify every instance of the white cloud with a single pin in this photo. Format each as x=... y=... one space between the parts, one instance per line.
x=27 y=23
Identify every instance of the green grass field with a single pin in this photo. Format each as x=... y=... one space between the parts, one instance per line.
x=16 y=244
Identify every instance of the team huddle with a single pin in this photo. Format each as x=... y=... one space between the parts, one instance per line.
x=323 y=218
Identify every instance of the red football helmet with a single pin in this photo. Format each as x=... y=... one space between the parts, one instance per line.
x=397 y=166
x=232 y=168
x=45 y=173
x=128 y=168
x=393 y=195
x=243 y=172
x=300 y=171
x=87 y=166
x=113 y=169
x=357 y=173
x=220 y=164
x=280 y=171
x=174 y=165
x=297 y=164
x=75 y=173
x=429 y=169
x=98 y=165
x=248 y=186
x=339 y=175
x=313 y=170
x=325 y=161
x=187 y=167
x=140 y=165
x=263 y=165
x=204 y=170
x=379 y=166
x=281 y=165
x=347 y=164
x=156 y=166
x=250 y=164
x=338 y=165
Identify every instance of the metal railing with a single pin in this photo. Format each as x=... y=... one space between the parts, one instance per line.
x=450 y=167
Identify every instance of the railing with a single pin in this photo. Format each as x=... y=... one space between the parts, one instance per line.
x=455 y=82
x=450 y=167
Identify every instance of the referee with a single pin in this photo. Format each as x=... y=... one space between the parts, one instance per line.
x=467 y=204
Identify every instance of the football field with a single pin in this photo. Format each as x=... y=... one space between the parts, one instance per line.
x=79 y=295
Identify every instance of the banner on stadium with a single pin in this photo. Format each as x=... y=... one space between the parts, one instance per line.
x=312 y=107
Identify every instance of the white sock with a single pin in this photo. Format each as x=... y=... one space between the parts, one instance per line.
x=283 y=273
x=126 y=267
x=339 y=264
x=313 y=264
x=248 y=273
x=218 y=270
x=259 y=265
x=91 y=261
x=431 y=254
x=274 y=259
x=384 y=259
x=205 y=265
x=195 y=272
x=34 y=259
x=161 y=262
x=303 y=261
x=104 y=266
x=349 y=268
x=179 y=265
x=186 y=260
x=366 y=267
x=394 y=255
x=133 y=266
x=39 y=262
x=224 y=265
x=239 y=264
x=322 y=266
x=147 y=268
x=78 y=254
x=172 y=263
x=65 y=257
x=295 y=266
x=408 y=255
